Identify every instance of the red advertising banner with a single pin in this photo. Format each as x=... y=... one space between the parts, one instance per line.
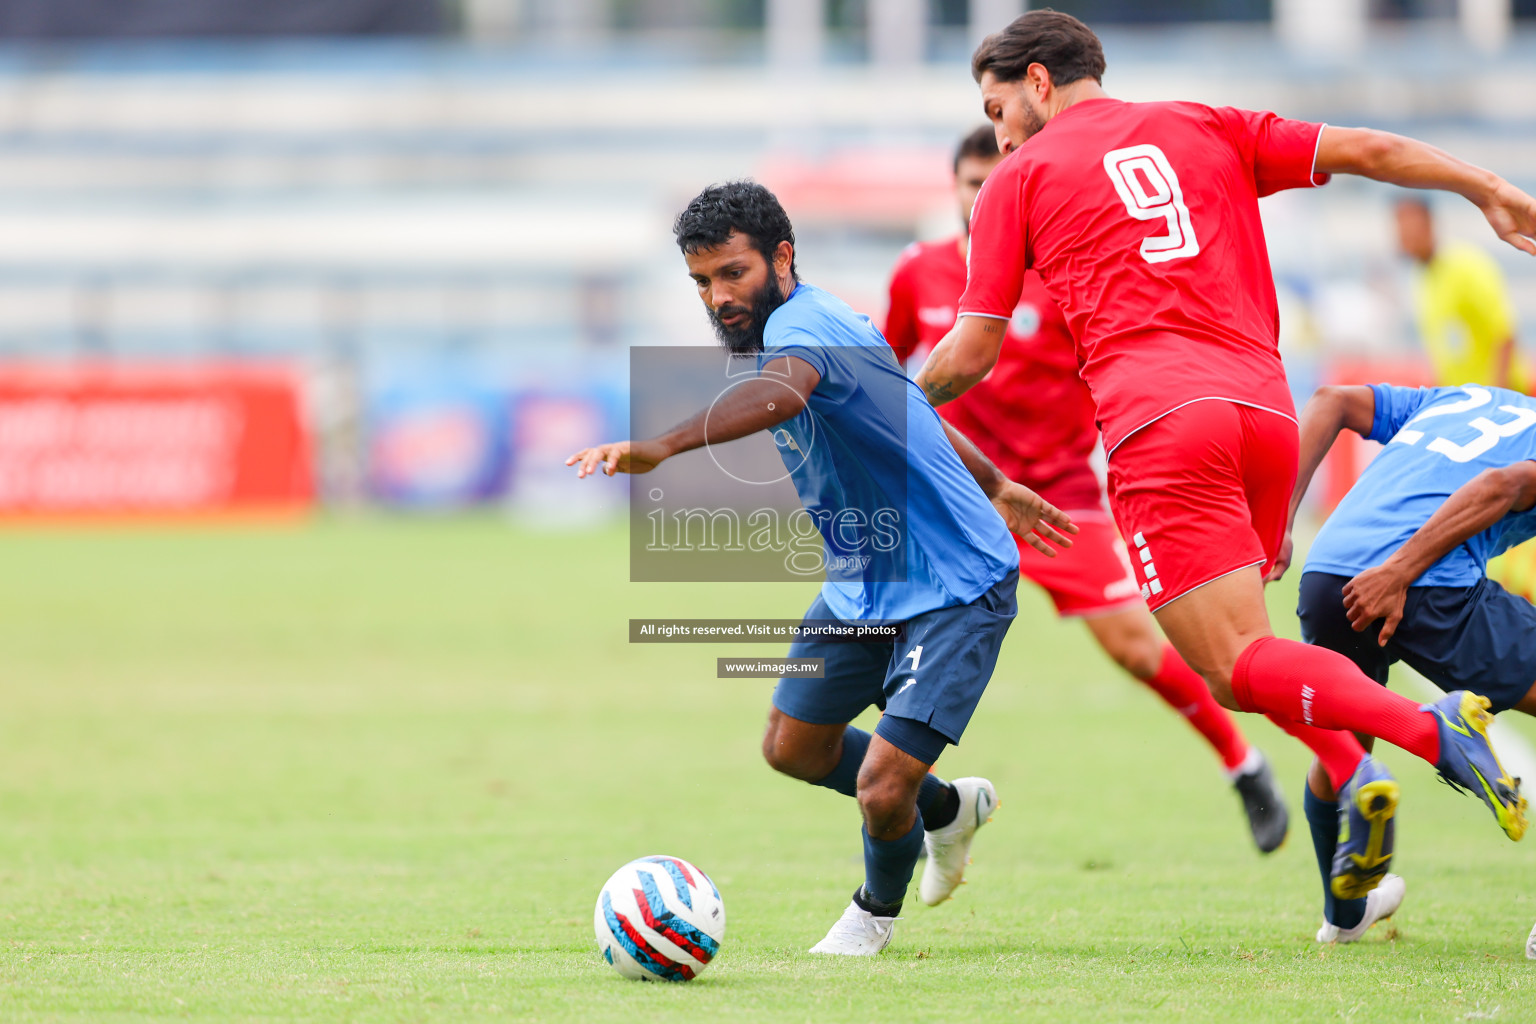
x=189 y=439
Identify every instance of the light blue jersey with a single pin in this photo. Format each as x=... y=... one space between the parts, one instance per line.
x=906 y=528
x=1436 y=439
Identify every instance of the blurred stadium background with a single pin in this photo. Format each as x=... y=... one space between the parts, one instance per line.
x=255 y=257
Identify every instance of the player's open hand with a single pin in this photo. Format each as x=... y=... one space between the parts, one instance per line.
x=1512 y=215
x=618 y=457
x=1040 y=523
x=1377 y=593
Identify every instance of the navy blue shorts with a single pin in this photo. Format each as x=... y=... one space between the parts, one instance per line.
x=928 y=681
x=1480 y=638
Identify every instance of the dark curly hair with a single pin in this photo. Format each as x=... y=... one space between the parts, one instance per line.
x=743 y=206
x=981 y=144
x=1066 y=48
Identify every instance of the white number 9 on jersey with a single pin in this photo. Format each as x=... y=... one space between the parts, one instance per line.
x=1150 y=191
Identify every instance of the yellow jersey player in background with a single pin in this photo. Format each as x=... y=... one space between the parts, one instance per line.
x=1462 y=306
x=1465 y=316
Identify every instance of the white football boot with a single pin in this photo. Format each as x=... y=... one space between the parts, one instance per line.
x=949 y=848
x=857 y=933
x=1380 y=903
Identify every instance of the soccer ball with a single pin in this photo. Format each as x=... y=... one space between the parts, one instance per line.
x=659 y=919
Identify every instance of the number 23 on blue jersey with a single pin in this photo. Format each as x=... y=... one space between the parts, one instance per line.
x=1513 y=420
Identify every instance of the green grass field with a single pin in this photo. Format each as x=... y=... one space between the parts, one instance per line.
x=375 y=771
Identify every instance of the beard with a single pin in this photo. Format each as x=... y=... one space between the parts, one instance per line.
x=1032 y=122
x=746 y=338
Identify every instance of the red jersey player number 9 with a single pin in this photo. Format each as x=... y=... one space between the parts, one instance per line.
x=1147 y=184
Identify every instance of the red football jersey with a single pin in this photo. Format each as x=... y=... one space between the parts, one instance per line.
x=1032 y=415
x=1143 y=219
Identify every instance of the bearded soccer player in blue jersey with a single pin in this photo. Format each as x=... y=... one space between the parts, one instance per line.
x=1397 y=574
x=951 y=591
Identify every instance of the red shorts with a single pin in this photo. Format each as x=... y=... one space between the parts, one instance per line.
x=1203 y=492
x=1091 y=577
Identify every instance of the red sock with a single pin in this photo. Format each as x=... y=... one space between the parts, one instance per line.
x=1337 y=751
x=1316 y=686
x=1184 y=691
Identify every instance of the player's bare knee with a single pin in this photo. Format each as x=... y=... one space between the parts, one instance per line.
x=1220 y=685
x=1218 y=680
x=789 y=756
x=777 y=757
x=888 y=806
x=771 y=741
x=805 y=765
x=1131 y=640
x=1142 y=657
x=1319 y=783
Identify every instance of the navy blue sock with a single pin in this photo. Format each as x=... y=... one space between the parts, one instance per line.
x=937 y=802
x=888 y=865
x=1323 y=819
x=845 y=777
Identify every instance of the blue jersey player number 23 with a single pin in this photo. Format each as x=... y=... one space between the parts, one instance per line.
x=1440 y=436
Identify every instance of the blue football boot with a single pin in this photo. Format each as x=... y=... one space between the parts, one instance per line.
x=1367 y=807
x=1467 y=760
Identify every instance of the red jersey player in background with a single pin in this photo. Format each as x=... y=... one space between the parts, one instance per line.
x=1034 y=418
x=1143 y=221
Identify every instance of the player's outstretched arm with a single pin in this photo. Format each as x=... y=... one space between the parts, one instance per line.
x=1475 y=506
x=618 y=457
x=1040 y=523
x=964 y=356
x=991 y=479
x=1399 y=160
x=1329 y=410
x=754 y=404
